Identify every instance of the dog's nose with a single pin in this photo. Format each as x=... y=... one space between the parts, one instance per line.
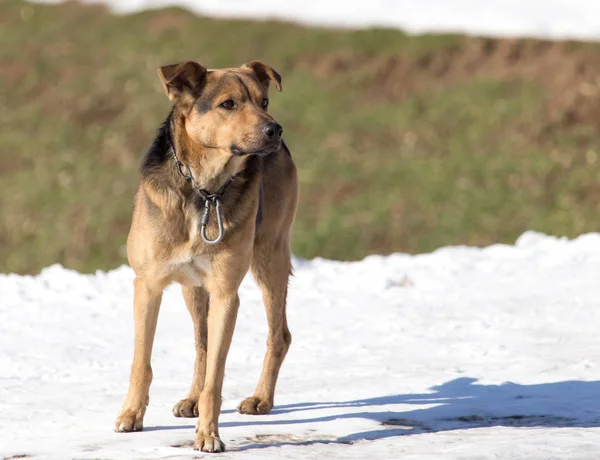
x=273 y=131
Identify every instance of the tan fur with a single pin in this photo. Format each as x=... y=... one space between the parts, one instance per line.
x=164 y=243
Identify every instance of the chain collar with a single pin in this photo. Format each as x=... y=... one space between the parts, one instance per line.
x=210 y=199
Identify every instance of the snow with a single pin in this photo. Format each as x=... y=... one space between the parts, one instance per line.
x=464 y=353
x=555 y=19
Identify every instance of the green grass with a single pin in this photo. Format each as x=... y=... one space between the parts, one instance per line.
x=426 y=159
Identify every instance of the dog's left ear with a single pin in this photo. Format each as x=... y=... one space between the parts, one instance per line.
x=265 y=74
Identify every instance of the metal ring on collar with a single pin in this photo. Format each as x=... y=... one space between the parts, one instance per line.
x=206 y=217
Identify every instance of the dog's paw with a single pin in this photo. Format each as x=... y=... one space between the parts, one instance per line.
x=186 y=408
x=255 y=406
x=130 y=420
x=208 y=443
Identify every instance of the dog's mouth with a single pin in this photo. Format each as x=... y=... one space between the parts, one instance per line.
x=266 y=150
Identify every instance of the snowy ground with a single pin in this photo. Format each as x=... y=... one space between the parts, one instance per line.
x=575 y=19
x=464 y=353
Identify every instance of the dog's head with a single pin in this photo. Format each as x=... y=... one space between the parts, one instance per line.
x=225 y=109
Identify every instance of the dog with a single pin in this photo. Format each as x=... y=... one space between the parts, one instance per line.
x=217 y=197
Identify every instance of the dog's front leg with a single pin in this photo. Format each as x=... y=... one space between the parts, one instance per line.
x=222 y=315
x=146 y=305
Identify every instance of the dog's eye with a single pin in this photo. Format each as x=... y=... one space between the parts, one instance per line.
x=265 y=103
x=228 y=104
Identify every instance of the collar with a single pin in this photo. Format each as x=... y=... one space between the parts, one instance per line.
x=187 y=175
x=210 y=199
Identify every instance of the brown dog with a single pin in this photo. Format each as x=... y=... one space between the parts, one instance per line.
x=217 y=196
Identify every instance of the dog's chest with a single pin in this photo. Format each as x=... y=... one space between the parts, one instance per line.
x=189 y=270
x=188 y=264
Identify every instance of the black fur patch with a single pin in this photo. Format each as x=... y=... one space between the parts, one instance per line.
x=158 y=153
x=215 y=93
x=248 y=95
x=206 y=101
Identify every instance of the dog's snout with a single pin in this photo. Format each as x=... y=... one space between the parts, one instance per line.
x=273 y=131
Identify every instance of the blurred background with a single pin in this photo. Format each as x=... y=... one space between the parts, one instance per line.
x=403 y=142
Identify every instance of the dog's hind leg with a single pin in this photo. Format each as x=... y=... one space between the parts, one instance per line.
x=196 y=299
x=271 y=267
x=146 y=305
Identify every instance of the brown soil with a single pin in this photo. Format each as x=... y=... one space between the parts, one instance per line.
x=569 y=72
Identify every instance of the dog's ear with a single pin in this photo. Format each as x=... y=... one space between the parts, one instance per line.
x=183 y=83
x=265 y=74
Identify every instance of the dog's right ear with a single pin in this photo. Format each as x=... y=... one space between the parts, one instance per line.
x=183 y=83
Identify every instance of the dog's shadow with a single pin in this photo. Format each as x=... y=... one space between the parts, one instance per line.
x=458 y=404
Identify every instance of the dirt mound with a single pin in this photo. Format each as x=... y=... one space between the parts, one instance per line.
x=569 y=72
